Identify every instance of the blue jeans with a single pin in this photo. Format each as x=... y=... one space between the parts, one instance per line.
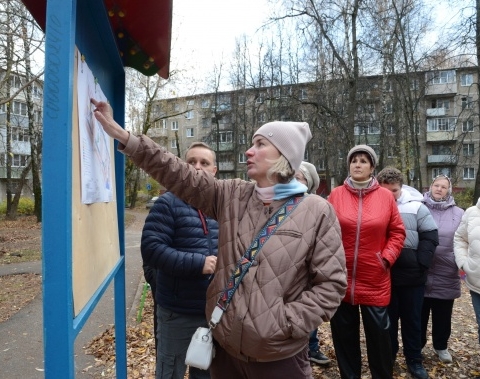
x=174 y=333
x=406 y=305
x=476 y=307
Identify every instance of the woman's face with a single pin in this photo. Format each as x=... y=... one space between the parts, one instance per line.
x=440 y=188
x=360 y=167
x=260 y=157
x=300 y=177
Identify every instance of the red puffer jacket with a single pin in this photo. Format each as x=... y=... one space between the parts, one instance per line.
x=372 y=229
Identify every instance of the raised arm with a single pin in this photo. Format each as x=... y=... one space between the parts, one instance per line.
x=104 y=115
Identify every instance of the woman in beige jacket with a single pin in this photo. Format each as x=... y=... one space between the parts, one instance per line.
x=297 y=280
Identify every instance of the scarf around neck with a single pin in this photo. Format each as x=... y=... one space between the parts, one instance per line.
x=280 y=191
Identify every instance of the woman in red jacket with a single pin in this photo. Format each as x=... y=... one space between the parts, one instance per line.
x=372 y=236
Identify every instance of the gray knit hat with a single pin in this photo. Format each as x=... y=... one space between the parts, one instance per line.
x=363 y=149
x=289 y=138
x=311 y=176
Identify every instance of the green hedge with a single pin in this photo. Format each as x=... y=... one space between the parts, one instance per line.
x=25 y=206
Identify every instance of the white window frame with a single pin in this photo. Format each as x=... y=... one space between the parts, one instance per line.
x=441 y=171
x=467 y=102
x=225 y=137
x=242 y=158
x=468 y=173
x=190 y=103
x=468 y=149
x=173 y=143
x=466 y=80
x=205 y=103
x=19 y=160
x=190 y=114
x=242 y=139
x=467 y=126
x=190 y=132
x=442 y=77
x=174 y=125
x=441 y=124
x=303 y=94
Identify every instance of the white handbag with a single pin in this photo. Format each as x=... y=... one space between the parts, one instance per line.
x=201 y=350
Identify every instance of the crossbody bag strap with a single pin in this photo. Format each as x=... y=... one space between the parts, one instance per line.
x=248 y=258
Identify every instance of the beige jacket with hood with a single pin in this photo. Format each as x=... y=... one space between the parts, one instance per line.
x=299 y=278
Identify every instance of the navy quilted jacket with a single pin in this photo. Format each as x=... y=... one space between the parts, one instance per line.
x=176 y=239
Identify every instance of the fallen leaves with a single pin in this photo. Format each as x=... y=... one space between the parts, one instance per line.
x=16 y=291
x=463 y=346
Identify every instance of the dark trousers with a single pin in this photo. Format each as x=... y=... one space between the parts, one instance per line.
x=406 y=305
x=441 y=321
x=345 y=326
x=174 y=333
x=313 y=342
x=225 y=366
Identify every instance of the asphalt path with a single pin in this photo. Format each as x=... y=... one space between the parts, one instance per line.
x=21 y=336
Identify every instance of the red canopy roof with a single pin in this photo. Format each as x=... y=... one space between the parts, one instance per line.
x=142 y=30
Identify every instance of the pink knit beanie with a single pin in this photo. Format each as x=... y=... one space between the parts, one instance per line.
x=289 y=137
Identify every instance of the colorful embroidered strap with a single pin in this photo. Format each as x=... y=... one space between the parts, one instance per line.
x=249 y=257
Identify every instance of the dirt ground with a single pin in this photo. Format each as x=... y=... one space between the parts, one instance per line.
x=21 y=241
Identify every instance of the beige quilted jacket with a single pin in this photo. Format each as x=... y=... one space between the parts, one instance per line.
x=300 y=277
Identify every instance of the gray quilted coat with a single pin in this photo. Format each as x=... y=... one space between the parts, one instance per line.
x=300 y=278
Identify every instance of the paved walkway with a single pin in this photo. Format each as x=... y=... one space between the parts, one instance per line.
x=21 y=336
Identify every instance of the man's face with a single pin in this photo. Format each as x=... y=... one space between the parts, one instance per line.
x=394 y=188
x=202 y=159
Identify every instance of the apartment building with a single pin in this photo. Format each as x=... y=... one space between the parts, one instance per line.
x=18 y=140
x=426 y=124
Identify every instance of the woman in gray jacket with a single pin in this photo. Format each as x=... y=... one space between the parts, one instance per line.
x=443 y=281
x=298 y=278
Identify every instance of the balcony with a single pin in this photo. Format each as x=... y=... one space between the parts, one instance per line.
x=435 y=112
x=442 y=136
x=441 y=89
x=444 y=160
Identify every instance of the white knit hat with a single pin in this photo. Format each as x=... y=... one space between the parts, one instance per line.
x=363 y=149
x=311 y=176
x=290 y=138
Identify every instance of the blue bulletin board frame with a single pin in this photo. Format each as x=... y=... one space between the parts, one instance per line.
x=83 y=24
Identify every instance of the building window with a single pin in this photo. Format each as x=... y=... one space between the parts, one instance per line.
x=242 y=139
x=467 y=126
x=226 y=137
x=20 y=134
x=303 y=94
x=468 y=173
x=206 y=122
x=37 y=91
x=414 y=85
x=390 y=152
x=391 y=129
x=373 y=129
x=261 y=117
x=174 y=125
x=19 y=108
x=388 y=86
x=190 y=132
x=467 y=102
x=468 y=149
x=466 y=80
x=260 y=98
x=388 y=107
x=241 y=100
x=441 y=171
x=441 y=103
x=176 y=107
x=205 y=103
x=15 y=81
x=190 y=103
x=173 y=143
x=440 y=124
x=441 y=150
x=242 y=158
x=19 y=160
x=441 y=77
x=189 y=115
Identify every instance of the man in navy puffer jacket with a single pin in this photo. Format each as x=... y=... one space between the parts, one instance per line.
x=180 y=244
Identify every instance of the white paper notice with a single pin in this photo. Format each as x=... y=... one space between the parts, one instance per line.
x=95 y=158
